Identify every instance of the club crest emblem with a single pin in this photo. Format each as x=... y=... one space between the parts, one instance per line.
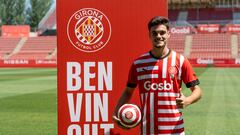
x=172 y=71
x=89 y=30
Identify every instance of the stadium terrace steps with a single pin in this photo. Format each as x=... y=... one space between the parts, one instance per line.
x=222 y=46
x=238 y=46
x=211 y=46
x=234 y=46
x=53 y=54
x=204 y=45
x=7 y=45
x=19 y=45
x=34 y=56
x=177 y=42
x=17 y=48
x=36 y=48
x=188 y=45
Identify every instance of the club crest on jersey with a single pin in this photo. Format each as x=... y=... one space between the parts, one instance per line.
x=89 y=30
x=172 y=71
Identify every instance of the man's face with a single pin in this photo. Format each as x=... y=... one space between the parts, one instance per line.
x=159 y=36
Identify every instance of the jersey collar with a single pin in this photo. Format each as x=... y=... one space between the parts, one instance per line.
x=159 y=58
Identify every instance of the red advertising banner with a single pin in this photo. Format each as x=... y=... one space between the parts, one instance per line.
x=97 y=42
x=208 y=28
x=15 y=30
x=181 y=30
x=27 y=63
x=232 y=28
x=215 y=62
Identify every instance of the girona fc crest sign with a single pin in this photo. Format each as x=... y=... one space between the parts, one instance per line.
x=89 y=30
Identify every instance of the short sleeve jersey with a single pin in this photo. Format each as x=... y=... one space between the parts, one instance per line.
x=159 y=82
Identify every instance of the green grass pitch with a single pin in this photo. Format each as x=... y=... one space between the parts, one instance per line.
x=28 y=102
x=218 y=112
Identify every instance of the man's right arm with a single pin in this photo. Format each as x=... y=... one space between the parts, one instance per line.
x=126 y=96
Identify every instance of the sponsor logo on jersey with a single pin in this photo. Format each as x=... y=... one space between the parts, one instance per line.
x=148 y=85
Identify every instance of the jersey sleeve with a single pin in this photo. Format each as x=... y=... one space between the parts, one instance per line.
x=188 y=75
x=132 y=77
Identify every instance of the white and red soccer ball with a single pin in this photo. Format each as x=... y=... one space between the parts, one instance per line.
x=129 y=115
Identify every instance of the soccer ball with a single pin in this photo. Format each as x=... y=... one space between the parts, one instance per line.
x=129 y=115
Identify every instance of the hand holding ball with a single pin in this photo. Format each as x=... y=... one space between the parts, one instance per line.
x=129 y=115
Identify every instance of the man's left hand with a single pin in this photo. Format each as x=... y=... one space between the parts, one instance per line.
x=182 y=102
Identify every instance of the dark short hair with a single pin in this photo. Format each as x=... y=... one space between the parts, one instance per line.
x=158 y=20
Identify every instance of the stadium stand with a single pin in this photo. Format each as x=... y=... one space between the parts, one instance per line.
x=7 y=45
x=177 y=42
x=22 y=48
x=32 y=49
x=214 y=35
x=211 y=46
x=36 y=48
x=215 y=46
x=238 y=46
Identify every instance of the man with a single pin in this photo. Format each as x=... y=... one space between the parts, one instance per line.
x=159 y=75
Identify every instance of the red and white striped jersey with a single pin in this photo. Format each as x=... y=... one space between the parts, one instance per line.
x=159 y=82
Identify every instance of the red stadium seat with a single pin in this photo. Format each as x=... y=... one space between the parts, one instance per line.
x=176 y=42
x=36 y=48
x=7 y=45
x=211 y=46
